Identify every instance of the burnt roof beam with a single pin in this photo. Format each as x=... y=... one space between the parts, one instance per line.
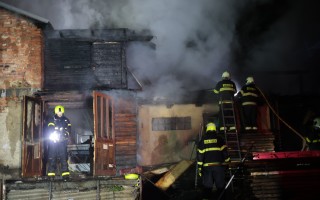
x=92 y=35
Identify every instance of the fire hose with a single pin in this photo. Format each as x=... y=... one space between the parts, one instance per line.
x=304 y=143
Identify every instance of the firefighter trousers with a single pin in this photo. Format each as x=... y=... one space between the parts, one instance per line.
x=250 y=117
x=213 y=175
x=57 y=152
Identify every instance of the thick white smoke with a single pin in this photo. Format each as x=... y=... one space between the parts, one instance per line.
x=192 y=38
x=195 y=40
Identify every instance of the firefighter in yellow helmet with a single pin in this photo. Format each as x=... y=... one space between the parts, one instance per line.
x=226 y=89
x=59 y=129
x=212 y=159
x=313 y=135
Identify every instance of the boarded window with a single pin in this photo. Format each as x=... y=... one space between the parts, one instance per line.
x=171 y=123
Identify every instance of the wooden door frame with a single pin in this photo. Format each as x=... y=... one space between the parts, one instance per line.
x=32 y=136
x=104 y=135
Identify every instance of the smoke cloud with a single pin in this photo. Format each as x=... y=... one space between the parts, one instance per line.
x=195 y=41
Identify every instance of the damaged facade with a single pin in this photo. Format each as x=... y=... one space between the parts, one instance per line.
x=21 y=64
x=114 y=130
x=86 y=72
x=40 y=68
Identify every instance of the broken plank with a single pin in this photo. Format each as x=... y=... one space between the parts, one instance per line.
x=173 y=174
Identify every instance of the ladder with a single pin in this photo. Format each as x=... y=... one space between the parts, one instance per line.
x=229 y=127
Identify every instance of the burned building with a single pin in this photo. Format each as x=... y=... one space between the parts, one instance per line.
x=83 y=70
x=86 y=71
x=114 y=130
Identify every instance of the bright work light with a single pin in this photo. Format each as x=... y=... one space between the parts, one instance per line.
x=54 y=136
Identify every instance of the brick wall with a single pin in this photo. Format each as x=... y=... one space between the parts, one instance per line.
x=21 y=63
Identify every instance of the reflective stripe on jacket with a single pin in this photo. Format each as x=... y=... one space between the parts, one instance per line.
x=59 y=122
x=212 y=150
x=226 y=89
x=249 y=95
x=312 y=141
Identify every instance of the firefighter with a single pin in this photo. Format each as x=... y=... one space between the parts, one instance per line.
x=313 y=137
x=59 y=128
x=226 y=90
x=212 y=159
x=249 y=97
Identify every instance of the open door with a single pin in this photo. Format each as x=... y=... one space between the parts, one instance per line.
x=32 y=137
x=104 y=137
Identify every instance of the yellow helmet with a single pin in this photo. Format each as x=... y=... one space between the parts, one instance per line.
x=225 y=75
x=250 y=80
x=58 y=108
x=211 y=127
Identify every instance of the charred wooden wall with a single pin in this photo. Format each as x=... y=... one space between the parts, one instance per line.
x=67 y=64
x=85 y=59
x=125 y=125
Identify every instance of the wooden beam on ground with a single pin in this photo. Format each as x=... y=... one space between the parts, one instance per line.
x=173 y=174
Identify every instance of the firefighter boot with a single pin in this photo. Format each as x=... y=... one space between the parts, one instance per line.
x=66 y=176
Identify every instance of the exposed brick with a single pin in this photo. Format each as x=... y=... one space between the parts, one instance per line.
x=21 y=45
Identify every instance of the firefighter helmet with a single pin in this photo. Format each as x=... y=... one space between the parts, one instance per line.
x=225 y=75
x=211 y=127
x=250 y=80
x=316 y=123
x=58 y=108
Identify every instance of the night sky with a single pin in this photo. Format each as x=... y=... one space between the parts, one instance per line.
x=275 y=41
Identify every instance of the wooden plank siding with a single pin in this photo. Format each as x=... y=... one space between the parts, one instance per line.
x=67 y=65
x=125 y=126
x=261 y=142
x=284 y=178
x=87 y=59
x=75 y=63
x=108 y=62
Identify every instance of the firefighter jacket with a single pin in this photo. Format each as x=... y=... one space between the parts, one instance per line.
x=212 y=150
x=61 y=124
x=313 y=137
x=226 y=89
x=249 y=95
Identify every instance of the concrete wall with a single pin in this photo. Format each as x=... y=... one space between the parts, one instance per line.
x=21 y=44
x=158 y=147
